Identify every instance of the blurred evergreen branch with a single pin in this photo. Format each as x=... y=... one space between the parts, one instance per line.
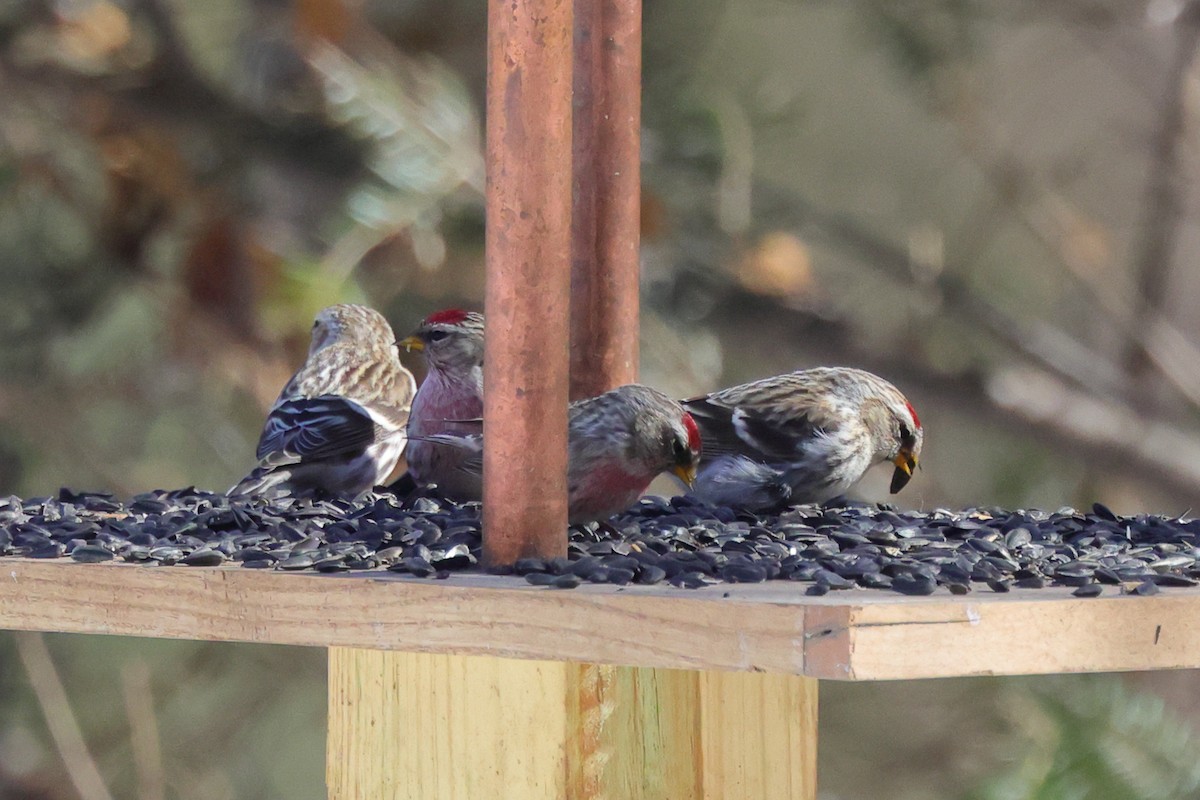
x=424 y=138
x=1092 y=738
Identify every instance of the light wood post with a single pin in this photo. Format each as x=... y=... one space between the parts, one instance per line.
x=432 y=727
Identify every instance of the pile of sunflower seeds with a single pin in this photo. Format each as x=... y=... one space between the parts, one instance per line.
x=680 y=542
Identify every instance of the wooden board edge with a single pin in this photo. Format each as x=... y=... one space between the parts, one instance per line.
x=1021 y=637
x=666 y=630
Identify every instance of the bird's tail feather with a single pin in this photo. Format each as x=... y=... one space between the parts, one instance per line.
x=261 y=481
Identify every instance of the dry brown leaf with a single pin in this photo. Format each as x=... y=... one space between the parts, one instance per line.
x=779 y=265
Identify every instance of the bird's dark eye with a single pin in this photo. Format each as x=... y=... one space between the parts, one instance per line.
x=436 y=336
x=683 y=453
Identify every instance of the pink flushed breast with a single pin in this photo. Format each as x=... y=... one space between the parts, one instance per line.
x=433 y=411
x=437 y=402
x=604 y=491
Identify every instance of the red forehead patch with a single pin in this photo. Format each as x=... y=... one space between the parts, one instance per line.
x=913 y=411
x=693 y=433
x=450 y=316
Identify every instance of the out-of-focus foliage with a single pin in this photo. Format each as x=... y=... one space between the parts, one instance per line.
x=231 y=722
x=990 y=203
x=181 y=190
x=1093 y=739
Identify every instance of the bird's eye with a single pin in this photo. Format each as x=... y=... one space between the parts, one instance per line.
x=683 y=453
x=905 y=433
x=436 y=336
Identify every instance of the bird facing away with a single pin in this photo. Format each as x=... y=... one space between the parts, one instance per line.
x=452 y=343
x=804 y=437
x=339 y=425
x=617 y=443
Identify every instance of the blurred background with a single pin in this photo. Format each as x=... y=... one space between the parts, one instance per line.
x=991 y=203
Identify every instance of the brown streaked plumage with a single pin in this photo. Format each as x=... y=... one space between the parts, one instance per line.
x=617 y=443
x=339 y=425
x=620 y=441
x=803 y=437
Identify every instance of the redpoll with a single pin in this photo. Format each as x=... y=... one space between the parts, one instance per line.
x=617 y=443
x=803 y=437
x=339 y=423
x=452 y=343
x=620 y=441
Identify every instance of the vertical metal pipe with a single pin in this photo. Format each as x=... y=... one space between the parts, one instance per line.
x=528 y=278
x=584 y=142
x=605 y=228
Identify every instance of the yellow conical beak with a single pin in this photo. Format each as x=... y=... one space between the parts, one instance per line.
x=687 y=474
x=411 y=343
x=905 y=463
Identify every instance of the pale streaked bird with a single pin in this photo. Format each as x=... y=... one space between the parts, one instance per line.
x=803 y=437
x=339 y=425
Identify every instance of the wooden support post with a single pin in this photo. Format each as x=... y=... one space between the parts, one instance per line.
x=433 y=727
x=527 y=299
x=651 y=715
x=429 y=726
x=605 y=222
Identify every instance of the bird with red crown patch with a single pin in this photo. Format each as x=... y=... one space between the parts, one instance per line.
x=620 y=441
x=617 y=443
x=803 y=437
x=451 y=342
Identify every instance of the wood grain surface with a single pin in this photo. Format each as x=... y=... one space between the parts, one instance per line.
x=772 y=627
x=424 y=726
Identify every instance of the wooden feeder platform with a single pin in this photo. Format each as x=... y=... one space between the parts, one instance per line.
x=484 y=686
x=481 y=687
x=859 y=634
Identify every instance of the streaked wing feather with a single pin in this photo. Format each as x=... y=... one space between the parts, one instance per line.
x=773 y=436
x=317 y=428
x=472 y=443
x=387 y=417
x=765 y=432
x=717 y=433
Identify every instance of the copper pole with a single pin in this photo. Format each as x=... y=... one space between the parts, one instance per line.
x=607 y=195
x=528 y=279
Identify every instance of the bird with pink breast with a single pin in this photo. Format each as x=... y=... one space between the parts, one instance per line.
x=351 y=411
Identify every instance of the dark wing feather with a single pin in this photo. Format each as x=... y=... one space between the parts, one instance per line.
x=775 y=437
x=312 y=429
x=763 y=434
x=715 y=420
